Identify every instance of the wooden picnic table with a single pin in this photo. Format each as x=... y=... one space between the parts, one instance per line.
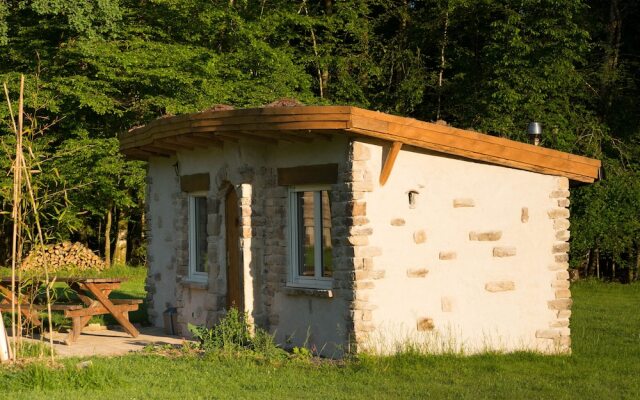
x=92 y=292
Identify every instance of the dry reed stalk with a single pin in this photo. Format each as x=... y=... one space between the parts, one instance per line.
x=48 y=283
x=20 y=166
x=16 y=215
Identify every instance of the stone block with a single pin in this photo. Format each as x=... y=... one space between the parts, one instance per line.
x=524 y=215
x=563 y=323
x=547 y=333
x=560 y=304
x=564 y=202
x=246 y=211
x=561 y=284
x=563 y=235
x=463 y=202
x=367 y=251
x=419 y=236
x=397 y=222
x=559 y=194
x=500 y=286
x=360 y=231
x=564 y=314
x=356 y=208
x=363 y=285
x=360 y=151
x=562 y=183
x=377 y=274
x=358 y=240
x=360 y=187
x=447 y=255
x=358 y=221
x=363 y=326
x=446 y=304
x=486 y=236
x=560 y=247
x=563 y=294
x=561 y=257
x=425 y=324
x=367 y=264
x=504 y=251
x=556 y=213
x=417 y=272
x=561 y=266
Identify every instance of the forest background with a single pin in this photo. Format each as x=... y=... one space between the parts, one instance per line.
x=95 y=68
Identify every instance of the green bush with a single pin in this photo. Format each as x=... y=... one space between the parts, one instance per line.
x=233 y=334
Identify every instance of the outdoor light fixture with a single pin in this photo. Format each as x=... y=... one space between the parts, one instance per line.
x=535 y=133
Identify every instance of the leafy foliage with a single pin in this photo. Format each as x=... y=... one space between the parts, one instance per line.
x=232 y=334
x=99 y=67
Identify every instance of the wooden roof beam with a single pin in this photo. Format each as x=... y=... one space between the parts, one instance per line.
x=389 y=162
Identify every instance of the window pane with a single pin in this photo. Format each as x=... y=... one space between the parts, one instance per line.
x=306 y=251
x=327 y=259
x=200 y=214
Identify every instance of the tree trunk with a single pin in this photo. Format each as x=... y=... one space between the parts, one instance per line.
x=614 y=29
x=442 y=61
x=634 y=275
x=107 y=239
x=120 y=252
x=588 y=266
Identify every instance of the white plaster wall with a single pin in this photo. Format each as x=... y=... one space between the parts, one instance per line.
x=479 y=320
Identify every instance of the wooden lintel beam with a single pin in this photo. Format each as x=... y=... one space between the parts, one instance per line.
x=389 y=161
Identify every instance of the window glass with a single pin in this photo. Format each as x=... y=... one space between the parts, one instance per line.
x=327 y=266
x=306 y=232
x=311 y=236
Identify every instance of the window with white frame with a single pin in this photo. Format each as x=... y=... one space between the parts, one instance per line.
x=311 y=263
x=198 y=263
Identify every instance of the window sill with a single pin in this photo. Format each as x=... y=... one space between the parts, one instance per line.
x=193 y=284
x=302 y=291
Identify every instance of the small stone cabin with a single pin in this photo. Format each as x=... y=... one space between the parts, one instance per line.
x=349 y=230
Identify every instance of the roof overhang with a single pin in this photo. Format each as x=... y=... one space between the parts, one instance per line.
x=166 y=136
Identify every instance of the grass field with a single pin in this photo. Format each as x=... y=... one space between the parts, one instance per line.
x=605 y=365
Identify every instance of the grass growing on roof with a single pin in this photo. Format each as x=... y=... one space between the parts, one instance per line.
x=605 y=364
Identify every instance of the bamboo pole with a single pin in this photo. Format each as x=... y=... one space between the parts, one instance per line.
x=19 y=167
x=15 y=214
x=48 y=283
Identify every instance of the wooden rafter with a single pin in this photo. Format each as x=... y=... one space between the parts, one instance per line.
x=389 y=162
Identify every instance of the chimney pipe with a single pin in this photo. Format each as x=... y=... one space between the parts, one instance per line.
x=535 y=133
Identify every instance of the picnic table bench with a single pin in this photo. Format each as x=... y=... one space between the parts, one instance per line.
x=94 y=296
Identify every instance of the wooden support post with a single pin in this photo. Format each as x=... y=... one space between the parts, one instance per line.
x=389 y=161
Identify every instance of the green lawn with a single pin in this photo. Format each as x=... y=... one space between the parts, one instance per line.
x=605 y=365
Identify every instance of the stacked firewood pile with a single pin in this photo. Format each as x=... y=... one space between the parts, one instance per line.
x=62 y=256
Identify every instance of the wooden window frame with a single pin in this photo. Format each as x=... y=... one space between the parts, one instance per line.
x=194 y=275
x=293 y=238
